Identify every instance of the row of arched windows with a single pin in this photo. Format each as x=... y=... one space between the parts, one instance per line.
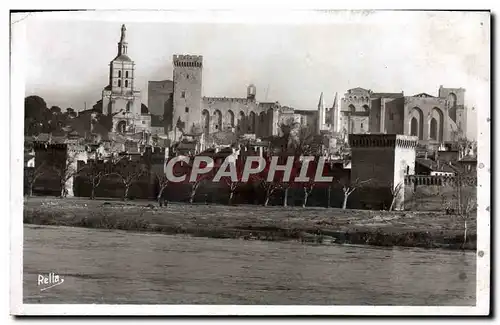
x=120 y=74
x=120 y=83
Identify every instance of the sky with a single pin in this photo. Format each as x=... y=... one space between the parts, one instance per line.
x=290 y=58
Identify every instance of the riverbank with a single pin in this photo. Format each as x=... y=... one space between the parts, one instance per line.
x=251 y=222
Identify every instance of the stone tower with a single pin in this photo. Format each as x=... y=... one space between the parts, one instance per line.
x=455 y=102
x=187 y=93
x=382 y=161
x=120 y=98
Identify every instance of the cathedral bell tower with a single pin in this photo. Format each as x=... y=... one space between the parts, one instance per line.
x=120 y=98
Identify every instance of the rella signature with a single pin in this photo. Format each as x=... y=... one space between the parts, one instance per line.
x=49 y=281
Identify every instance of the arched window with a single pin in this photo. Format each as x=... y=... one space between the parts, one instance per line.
x=119 y=73
x=126 y=74
x=119 y=83
x=414 y=127
x=231 y=118
x=126 y=83
x=433 y=131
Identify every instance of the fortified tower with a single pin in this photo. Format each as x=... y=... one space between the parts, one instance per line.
x=187 y=93
x=382 y=161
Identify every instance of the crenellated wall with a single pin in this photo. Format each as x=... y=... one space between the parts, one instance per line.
x=436 y=193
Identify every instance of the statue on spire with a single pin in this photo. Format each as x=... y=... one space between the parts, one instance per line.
x=124 y=30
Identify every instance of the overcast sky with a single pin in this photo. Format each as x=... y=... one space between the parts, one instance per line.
x=68 y=55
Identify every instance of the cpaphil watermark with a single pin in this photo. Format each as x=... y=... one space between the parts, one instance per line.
x=49 y=281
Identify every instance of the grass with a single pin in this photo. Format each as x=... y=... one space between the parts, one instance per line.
x=309 y=225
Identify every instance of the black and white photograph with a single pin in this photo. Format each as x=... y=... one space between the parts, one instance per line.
x=304 y=163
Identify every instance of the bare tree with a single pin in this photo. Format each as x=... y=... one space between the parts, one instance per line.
x=308 y=187
x=94 y=175
x=194 y=188
x=233 y=186
x=469 y=205
x=65 y=172
x=395 y=192
x=269 y=188
x=285 y=186
x=162 y=184
x=129 y=174
x=349 y=188
x=33 y=174
x=466 y=203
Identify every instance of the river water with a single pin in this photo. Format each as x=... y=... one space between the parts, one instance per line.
x=114 y=267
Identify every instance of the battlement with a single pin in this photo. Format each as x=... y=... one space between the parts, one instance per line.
x=268 y=105
x=460 y=89
x=195 y=61
x=382 y=140
x=72 y=148
x=155 y=151
x=241 y=100
x=37 y=145
x=417 y=180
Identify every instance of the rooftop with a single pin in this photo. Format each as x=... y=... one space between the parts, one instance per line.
x=387 y=95
x=123 y=57
x=437 y=166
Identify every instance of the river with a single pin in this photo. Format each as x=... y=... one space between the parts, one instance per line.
x=114 y=267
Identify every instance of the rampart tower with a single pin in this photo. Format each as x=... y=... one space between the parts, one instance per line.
x=187 y=93
x=382 y=161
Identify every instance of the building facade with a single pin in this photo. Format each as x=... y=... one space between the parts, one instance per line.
x=120 y=98
x=186 y=111
x=431 y=119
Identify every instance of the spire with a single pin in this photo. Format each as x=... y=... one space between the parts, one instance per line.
x=122 y=45
x=321 y=104
x=334 y=115
x=124 y=30
x=321 y=113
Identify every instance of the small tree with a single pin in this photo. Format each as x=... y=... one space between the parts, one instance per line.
x=32 y=175
x=128 y=175
x=465 y=202
x=94 y=175
x=285 y=186
x=196 y=184
x=395 y=192
x=269 y=189
x=349 y=188
x=65 y=172
x=194 y=188
x=308 y=187
x=162 y=184
x=469 y=205
x=233 y=184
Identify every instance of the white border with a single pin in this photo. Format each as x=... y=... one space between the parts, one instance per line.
x=254 y=16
